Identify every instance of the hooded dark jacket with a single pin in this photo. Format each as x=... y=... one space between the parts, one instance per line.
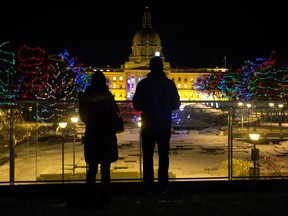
x=156 y=96
x=100 y=142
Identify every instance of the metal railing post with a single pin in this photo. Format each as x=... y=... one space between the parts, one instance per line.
x=12 y=147
x=230 y=143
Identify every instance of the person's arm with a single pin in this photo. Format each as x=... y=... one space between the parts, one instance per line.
x=176 y=98
x=137 y=98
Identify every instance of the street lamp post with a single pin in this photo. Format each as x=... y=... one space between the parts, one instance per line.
x=280 y=119
x=240 y=104
x=74 y=120
x=271 y=116
x=62 y=125
x=139 y=123
x=255 y=171
x=248 y=118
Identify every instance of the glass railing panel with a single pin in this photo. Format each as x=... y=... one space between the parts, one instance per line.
x=59 y=149
x=129 y=165
x=5 y=128
x=266 y=157
x=201 y=144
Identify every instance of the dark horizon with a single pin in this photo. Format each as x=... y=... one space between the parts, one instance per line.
x=193 y=35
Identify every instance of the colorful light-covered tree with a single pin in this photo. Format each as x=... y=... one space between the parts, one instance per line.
x=267 y=79
x=256 y=80
x=7 y=72
x=33 y=72
x=228 y=85
x=49 y=77
x=210 y=85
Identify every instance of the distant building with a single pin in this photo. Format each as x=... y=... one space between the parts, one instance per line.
x=146 y=44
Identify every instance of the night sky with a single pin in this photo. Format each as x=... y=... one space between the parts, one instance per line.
x=194 y=34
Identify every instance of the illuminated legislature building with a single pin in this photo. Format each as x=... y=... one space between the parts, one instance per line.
x=146 y=43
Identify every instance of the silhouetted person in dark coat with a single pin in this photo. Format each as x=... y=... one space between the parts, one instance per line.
x=156 y=96
x=100 y=141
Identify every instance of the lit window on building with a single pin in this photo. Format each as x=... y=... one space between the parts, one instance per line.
x=185 y=86
x=114 y=78
x=179 y=79
x=121 y=78
x=114 y=86
x=179 y=85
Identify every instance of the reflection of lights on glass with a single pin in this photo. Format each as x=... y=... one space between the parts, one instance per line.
x=139 y=123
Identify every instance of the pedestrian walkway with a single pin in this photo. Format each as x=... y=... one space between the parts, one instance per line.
x=262 y=197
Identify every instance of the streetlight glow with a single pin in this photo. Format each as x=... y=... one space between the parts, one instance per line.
x=254 y=135
x=74 y=119
x=62 y=124
x=139 y=123
x=255 y=171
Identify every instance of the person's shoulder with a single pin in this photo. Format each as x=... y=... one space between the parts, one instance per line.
x=168 y=80
x=109 y=95
x=82 y=96
x=143 y=81
x=94 y=97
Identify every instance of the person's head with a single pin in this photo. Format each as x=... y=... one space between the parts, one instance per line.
x=156 y=64
x=98 y=79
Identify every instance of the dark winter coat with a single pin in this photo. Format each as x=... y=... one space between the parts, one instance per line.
x=156 y=96
x=100 y=142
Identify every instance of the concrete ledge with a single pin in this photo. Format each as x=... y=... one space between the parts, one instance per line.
x=253 y=186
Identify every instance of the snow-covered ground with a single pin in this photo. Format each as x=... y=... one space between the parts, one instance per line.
x=196 y=154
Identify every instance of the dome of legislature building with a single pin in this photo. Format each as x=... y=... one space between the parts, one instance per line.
x=146 y=43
